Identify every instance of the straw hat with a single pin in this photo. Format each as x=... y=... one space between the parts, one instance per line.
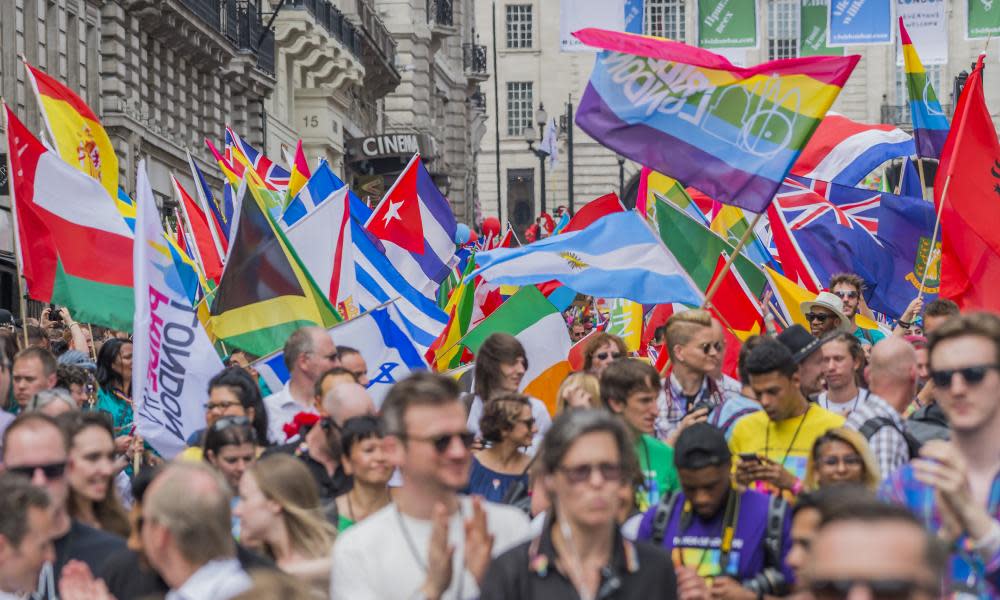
x=832 y=302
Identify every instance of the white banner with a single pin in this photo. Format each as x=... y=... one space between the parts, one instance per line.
x=575 y=15
x=172 y=357
x=927 y=23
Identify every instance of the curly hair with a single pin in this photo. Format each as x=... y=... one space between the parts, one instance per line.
x=500 y=414
x=596 y=342
x=850 y=279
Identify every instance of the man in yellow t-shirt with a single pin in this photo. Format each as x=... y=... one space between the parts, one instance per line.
x=773 y=445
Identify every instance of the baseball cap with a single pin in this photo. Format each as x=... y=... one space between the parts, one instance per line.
x=701 y=445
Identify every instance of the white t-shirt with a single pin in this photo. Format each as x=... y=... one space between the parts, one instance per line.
x=375 y=559
x=538 y=411
x=281 y=409
x=843 y=409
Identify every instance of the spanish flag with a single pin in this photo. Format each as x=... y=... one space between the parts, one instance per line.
x=75 y=130
x=300 y=172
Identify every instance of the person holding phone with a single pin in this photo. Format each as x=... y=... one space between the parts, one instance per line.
x=773 y=445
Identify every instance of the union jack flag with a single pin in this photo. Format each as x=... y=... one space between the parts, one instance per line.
x=241 y=155
x=810 y=199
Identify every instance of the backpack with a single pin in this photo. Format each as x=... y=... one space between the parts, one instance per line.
x=875 y=424
x=777 y=512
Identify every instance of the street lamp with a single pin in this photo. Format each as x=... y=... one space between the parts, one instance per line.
x=621 y=177
x=541 y=118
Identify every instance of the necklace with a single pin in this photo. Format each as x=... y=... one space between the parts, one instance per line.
x=826 y=403
x=791 y=444
x=412 y=546
x=575 y=563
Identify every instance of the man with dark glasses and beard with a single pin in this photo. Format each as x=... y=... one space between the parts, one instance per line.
x=430 y=542
x=954 y=486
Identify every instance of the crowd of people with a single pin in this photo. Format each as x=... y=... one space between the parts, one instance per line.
x=842 y=461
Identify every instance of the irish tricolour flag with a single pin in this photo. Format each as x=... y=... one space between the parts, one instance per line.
x=535 y=322
x=74 y=246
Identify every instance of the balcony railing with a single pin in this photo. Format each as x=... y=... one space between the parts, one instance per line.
x=209 y=11
x=239 y=22
x=474 y=58
x=440 y=12
x=899 y=114
x=332 y=19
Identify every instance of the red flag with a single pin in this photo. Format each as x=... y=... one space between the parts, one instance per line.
x=594 y=210
x=734 y=305
x=397 y=217
x=970 y=167
x=205 y=249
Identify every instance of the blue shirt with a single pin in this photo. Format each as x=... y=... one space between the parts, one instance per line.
x=489 y=484
x=727 y=414
x=967 y=572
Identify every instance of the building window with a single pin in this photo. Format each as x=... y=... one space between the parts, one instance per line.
x=900 y=111
x=520 y=105
x=519 y=26
x=782 y=29
x=665 y=18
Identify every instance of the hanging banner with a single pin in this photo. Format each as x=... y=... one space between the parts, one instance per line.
x=575 y=15
x=860 y=22
x=812 y=30
x=983 y=19
x=727 y=24
x=927 y=23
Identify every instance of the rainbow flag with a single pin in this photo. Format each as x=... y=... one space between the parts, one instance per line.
x=930 y=125
x=78 y=135
x=729 y=132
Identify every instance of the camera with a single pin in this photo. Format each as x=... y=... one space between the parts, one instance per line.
x=770 y=582
x=54 y=316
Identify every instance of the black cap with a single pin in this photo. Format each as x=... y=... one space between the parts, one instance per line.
x=701 y=445
x=800 y=342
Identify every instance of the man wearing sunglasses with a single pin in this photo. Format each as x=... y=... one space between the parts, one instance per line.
x=825 y=314
x=308 y=353
x=431 y=542
x=848 y=287
x=35 y=447
x=867 y=549
x=954 y=486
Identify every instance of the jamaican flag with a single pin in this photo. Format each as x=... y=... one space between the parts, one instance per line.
x=265 y=293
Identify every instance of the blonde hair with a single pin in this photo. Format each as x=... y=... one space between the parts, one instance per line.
x=683 y=326
x=585 y=381
x=871 y=478
x=286 y=481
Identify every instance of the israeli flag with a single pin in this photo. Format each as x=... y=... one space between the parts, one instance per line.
x=381 y=338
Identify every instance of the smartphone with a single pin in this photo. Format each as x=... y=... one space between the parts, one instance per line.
x=749 y=457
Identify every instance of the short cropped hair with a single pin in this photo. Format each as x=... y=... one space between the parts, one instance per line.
x=33 y=420
x=44 y=356
x=343 y=351
x=192 y=501
x=981 y=324
x=850 y=279
x=625 y=376
x=419 y=389
x=17 y=495
x=941 y=307
x=745 y=350
x=770 y=356
x=682 y=326
x=299 y=343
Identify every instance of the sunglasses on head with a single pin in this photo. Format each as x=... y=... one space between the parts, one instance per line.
x=708 y=346
x=818 y=317
x=51 y=470
x=844 y=295
x=884 y=589
x=971 y=375
x=605 y=355
x=443 y=441
x=581 y=473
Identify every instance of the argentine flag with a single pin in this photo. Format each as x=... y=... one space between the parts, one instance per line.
x=617 y=256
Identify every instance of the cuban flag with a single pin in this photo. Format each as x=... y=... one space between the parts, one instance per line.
x=381 y=338
x=845 y=151
x=415 y=224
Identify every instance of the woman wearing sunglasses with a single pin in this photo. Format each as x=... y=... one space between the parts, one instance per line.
x=500 y=367
x=506 y=426
x=280 y=512
x=600 y=351
x=585 y=461
x=90 y=472
x=841 y=456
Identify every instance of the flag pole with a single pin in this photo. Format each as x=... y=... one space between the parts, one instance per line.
x=729 y=261
x=23 y=297
x=937 y=227
x=920 y=171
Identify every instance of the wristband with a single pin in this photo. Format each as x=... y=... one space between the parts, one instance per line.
x=906 y=324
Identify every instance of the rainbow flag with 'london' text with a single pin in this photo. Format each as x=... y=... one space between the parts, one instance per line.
x=930 y=125
x=729 y=132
